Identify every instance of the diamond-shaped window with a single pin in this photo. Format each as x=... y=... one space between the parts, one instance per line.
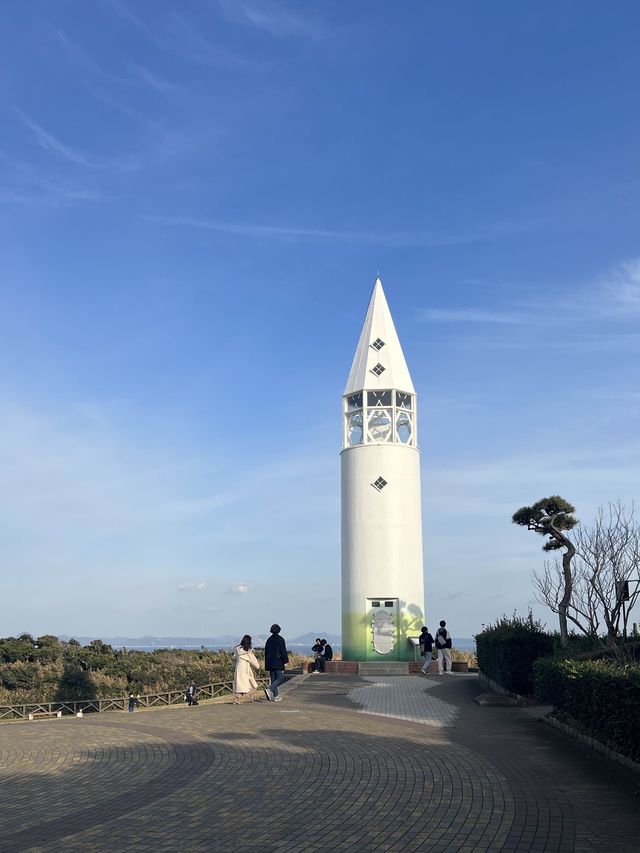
x=378 y=344
x=379 y=484
x=378 y=369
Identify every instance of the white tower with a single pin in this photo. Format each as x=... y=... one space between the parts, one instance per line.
x=382 y=572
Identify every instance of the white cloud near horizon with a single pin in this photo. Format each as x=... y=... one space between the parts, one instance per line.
x=92 y=510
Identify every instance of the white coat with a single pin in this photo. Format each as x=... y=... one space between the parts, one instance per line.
x=243 y=678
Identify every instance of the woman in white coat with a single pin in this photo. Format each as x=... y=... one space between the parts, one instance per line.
x=243 y=678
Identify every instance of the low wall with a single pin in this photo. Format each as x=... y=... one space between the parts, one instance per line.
x=352 y=667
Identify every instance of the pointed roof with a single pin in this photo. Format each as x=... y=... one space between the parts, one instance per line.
x=378 y=327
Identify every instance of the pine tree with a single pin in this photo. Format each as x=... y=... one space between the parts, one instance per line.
x=550 y=517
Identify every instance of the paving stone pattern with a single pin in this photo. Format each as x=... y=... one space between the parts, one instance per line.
x=381 y=771
x=405 y=699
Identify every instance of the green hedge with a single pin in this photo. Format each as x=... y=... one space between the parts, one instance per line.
x=507 y=650
x=601 y=697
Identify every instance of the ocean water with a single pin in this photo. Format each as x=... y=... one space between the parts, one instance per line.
x=464 y=644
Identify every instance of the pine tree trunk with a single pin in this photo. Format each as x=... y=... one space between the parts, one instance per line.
x=563 y=605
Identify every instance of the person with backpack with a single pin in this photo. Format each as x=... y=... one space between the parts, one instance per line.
x=443 y=645
x=426 y=648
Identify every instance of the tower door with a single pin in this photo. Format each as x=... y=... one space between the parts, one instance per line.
x=383 y=627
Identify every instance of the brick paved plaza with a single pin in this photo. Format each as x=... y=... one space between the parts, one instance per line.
x=343 y=763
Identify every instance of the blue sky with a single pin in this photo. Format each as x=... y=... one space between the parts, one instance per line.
x=195 y=199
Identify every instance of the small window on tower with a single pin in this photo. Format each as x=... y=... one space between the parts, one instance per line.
x=379 y=398
x=403 y=401
x=388 y=604
x=375 y=604
x=377 y=344
x=354 y=401
x=379 y=425
x=378 y=369
x=355 y=428
x=404 y=427
x=379 y=484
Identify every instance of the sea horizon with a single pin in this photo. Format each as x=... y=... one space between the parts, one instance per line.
x=226 y=642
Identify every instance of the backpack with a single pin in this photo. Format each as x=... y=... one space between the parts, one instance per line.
x=441 y=638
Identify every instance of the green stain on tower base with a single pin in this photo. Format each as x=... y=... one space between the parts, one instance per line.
x=357 y=636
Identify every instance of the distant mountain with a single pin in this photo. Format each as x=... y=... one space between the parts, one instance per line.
x=222 y=641
x=301 y=644
x=310 y=638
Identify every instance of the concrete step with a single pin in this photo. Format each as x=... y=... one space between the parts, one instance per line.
x=390 y=667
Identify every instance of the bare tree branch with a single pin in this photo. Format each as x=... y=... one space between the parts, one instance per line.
x=607 y=557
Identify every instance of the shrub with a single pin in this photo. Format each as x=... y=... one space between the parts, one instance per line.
x=600 y=697
x=19 y=676
x=507 y=650
x=48 y=670
x=462 y=655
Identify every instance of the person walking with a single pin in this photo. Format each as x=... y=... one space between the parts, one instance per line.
x=443 y=645
x=426 y=648
x=132 y=703
x=275 y=660
x=244 y=681
x=190 y=695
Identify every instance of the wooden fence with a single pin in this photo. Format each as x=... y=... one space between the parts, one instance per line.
x=97 y=706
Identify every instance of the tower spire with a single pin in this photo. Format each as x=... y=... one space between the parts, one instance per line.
x=379 y=361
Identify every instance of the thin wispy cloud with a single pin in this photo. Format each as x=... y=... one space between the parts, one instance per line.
x=622 y=285
x=192 y=587
x=275 y=19
x=138 y=74
x=52 y=145
x=81 y=57
x=29 y=187
x=152 y=79
x=393 y=239
x=587 y=344
x=241 y=588
x=468 y=315
x=113 y=89
x=612 y=394
x=176 y=35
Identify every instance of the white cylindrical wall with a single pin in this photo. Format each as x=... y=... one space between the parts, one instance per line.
x=381 y=543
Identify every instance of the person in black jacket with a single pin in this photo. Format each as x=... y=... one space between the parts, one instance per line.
x=426 y=648
x=443 y=645
x=327 y=651
x=275 y=660
x=317 y=653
